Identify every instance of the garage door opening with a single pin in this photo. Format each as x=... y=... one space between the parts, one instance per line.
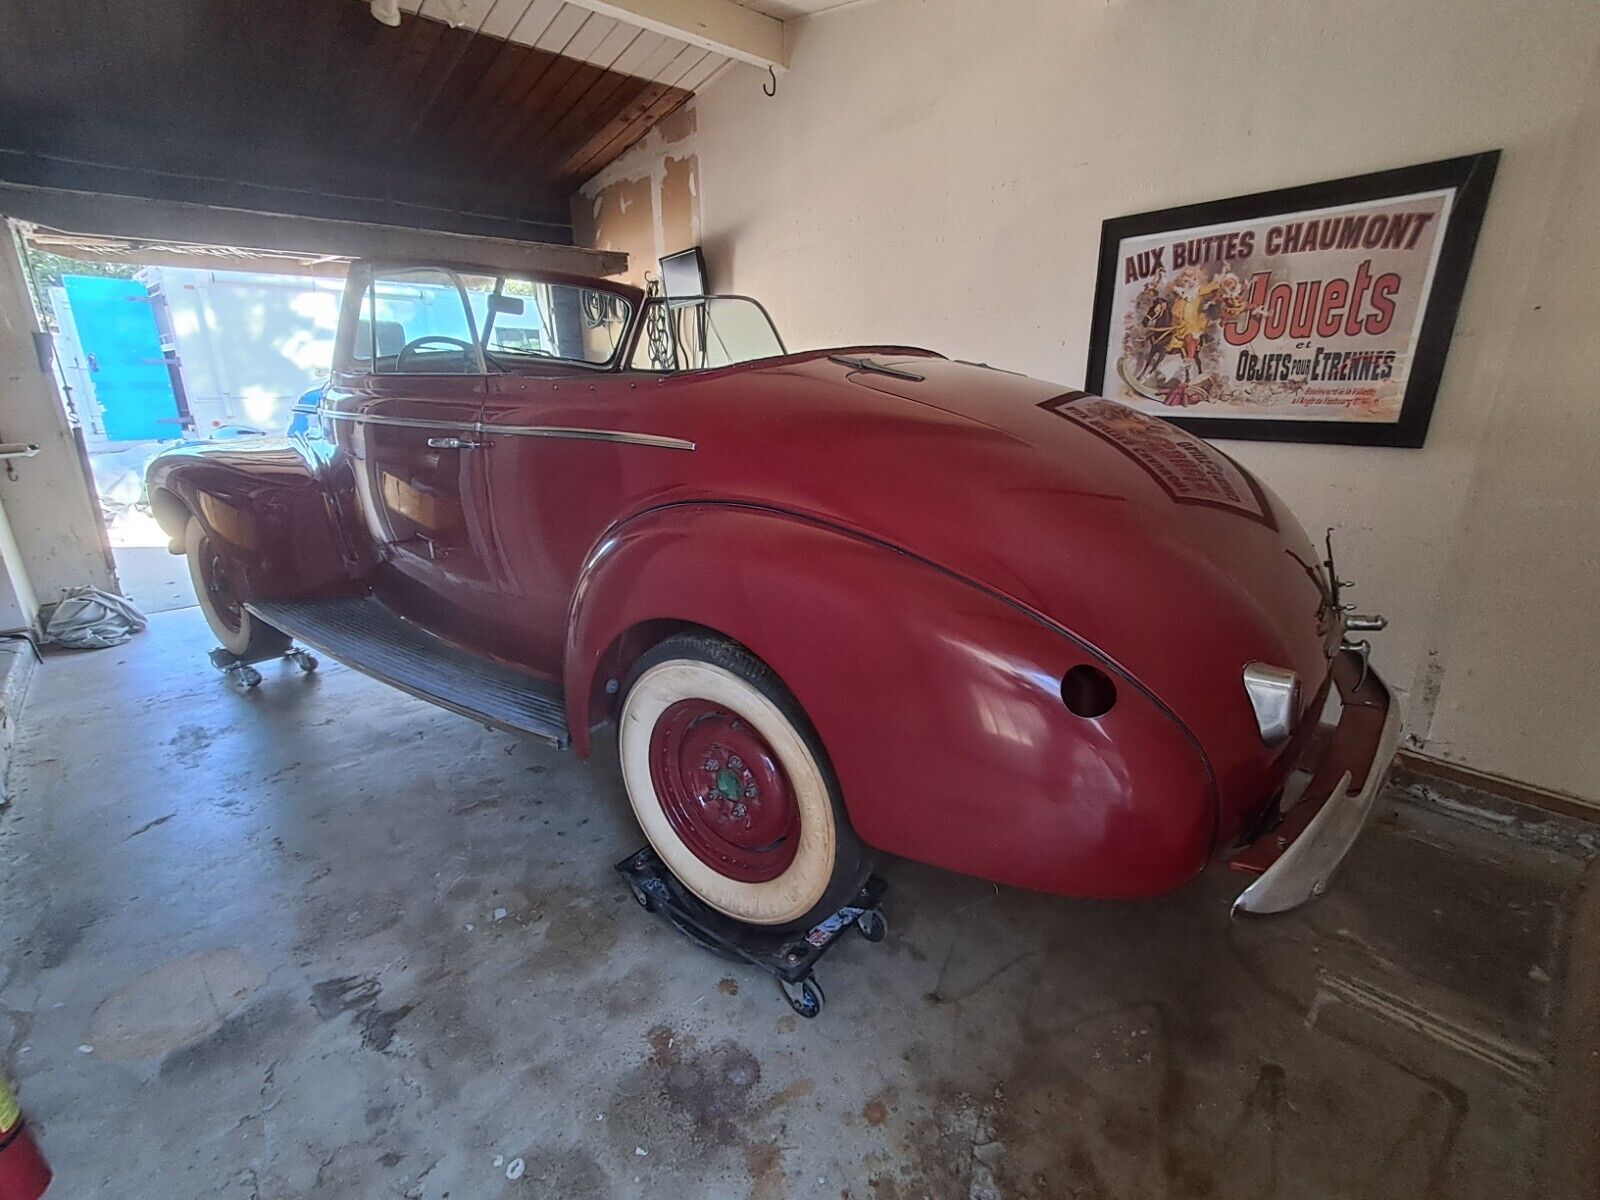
x=157 y=345
x=155 y=330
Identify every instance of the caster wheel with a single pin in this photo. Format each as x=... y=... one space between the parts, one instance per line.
x=306 y=661
x=250 y=677
x=873 y=925
x=807 y=999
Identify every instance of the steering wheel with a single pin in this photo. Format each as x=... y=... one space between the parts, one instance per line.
x=466 y=349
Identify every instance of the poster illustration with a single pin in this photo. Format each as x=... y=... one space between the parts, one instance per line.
x=1320 y=313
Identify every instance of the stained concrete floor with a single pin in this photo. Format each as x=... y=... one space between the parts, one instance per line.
x=321 y=940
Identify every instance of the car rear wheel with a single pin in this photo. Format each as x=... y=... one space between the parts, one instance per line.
x=733 y=788
x=241 y=633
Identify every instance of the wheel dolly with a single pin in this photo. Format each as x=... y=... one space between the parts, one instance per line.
x=243 y=671
x=790 y=958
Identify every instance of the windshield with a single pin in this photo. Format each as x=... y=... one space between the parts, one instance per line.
x=432 y=320
x=704 y=332
x=520 y=319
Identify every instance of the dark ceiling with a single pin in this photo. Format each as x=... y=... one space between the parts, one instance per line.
x=309 y=107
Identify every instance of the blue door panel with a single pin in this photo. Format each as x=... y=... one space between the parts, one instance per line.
x=117 y=330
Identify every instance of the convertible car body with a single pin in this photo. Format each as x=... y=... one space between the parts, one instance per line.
x=836 y=601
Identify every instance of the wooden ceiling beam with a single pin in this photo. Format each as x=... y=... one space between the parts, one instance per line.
x=134 y=218
x=719 y=25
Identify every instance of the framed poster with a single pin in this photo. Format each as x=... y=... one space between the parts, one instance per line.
x=1312 y=314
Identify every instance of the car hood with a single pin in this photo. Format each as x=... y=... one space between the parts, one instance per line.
x=1152 y=546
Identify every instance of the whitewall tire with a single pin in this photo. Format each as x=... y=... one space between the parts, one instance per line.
x=241 y=633
x=732 y=788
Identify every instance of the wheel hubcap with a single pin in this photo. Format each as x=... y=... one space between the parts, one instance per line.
x=723 y=791
x=217 y=588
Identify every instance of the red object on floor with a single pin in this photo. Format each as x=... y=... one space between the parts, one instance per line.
x=24 y=1174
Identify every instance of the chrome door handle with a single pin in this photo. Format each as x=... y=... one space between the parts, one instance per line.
x=453 y=443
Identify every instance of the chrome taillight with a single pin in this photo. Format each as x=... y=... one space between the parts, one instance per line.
x=1275 y=695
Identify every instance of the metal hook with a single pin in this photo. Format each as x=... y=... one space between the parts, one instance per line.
x=773 y=90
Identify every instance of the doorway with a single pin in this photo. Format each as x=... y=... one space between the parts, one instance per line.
x=153 y=354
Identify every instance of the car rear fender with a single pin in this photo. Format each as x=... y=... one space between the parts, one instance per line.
x=938 y=702
x=268 y=509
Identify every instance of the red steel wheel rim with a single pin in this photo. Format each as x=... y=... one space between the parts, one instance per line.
x=723 y=791
x=217 y=587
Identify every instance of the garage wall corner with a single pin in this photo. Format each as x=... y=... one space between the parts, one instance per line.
x=647 y=203
x=1519 y=648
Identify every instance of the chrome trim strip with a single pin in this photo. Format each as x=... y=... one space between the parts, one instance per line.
x=478 y=428
x=397 y=422
x=589 y=435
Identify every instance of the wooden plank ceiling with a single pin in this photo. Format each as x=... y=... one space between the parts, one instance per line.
x=554 y=87
x=311 y=107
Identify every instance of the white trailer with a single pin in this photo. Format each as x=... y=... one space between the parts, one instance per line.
x=247 y=344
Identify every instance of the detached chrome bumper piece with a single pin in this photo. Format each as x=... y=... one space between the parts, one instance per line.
x=1296 y=860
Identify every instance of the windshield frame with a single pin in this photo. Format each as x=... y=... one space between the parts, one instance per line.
x=640 y=331
x=362 y=272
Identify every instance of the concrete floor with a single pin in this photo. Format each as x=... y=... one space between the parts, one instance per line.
x=152 y=577
x=321 y=940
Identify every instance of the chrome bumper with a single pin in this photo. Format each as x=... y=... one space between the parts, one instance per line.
x=1296 y=860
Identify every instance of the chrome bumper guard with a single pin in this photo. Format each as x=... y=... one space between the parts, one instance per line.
x=1296 y=860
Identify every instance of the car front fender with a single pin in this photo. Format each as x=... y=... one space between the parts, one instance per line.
x=268 y=508
x=938 y=701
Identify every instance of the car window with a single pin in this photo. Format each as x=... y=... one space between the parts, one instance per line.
x=416 y=322
x=704 y=332
x=523 y=320
x=442 y=320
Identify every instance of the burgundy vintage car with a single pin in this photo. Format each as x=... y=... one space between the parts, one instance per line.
x=834 y=602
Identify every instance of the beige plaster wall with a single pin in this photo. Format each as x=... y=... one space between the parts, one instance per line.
x=646 y=205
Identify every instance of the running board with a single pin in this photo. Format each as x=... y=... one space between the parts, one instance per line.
x=368 y=636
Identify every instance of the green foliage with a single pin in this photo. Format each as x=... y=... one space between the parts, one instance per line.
x=44 y=271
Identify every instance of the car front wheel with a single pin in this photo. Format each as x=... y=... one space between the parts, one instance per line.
x=732 y=787
x=241 y=633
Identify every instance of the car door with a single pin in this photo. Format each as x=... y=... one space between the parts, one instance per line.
x=576 y=441
x=407 y=419
x=562 y=455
